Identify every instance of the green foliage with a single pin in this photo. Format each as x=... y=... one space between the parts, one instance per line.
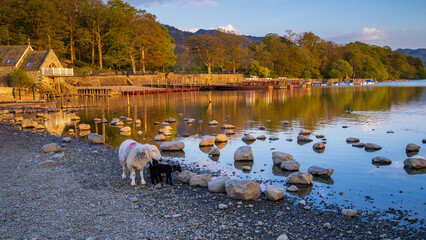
x=339 y=69
x=21 y=79
x=255 y=69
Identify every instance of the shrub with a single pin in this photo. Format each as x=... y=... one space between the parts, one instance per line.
x=21 y=79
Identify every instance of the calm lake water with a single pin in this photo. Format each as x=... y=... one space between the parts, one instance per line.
x=356 y=182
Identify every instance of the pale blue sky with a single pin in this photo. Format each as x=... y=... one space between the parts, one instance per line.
x=396 y=23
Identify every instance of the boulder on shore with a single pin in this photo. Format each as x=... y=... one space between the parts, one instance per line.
x=185 y=176
x=243 y=153
x=243 y=189
x=200 y=180
x=51 y=147
x=415 y=163
x=96 y=138
x=411 y=147
x=27 y=123
x=325 y=172
x=172 y=146
x=279 y=157
x=207 y=141
x=300 y=178
x=217 y=185
x=274 y=193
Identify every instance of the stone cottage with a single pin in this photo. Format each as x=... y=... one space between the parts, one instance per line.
x=41 y=65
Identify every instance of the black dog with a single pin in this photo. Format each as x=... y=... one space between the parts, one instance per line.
x=157 y=169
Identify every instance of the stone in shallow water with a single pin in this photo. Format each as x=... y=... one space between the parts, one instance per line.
x=305 y=132
x=243 y=153
x=292 y=188
x=411 y=147
x=352 y=140
x=325 y=172
x=279 y=157
x=300 y=178
x=302 y=138
x=274 y=193
x=319 y=145
x=261 y=137
x=372 y=147
x=415 y=163
x=172 y=146
x=358 y=145
x=290 y=165
x=207 y=141
x=381 y=160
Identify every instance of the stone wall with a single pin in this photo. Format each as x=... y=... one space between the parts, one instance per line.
x=5 y=74
x=51 y=58
x=154 y=80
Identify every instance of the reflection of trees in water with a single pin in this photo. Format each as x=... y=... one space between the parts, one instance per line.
x=246 y=109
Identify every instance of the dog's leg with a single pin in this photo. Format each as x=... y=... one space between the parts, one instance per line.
x=133 y=175
x=123 y=176
x=169 y=178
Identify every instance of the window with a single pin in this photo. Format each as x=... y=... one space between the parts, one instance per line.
x=9 y=60
x=29 y=64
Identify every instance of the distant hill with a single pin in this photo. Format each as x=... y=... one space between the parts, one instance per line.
x=180 y=36
x=416 y=53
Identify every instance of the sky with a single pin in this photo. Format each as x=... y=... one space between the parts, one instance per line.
x=394 y=23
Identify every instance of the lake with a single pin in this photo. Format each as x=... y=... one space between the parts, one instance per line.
x=367 y=112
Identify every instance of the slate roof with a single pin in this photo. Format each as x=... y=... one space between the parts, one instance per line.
x=35 y=59
x=11 y=52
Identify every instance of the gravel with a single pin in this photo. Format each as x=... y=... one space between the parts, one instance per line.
x=83 y=196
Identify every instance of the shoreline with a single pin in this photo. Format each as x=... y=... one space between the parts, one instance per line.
x=84 y=196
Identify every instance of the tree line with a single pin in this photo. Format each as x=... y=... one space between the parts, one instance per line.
x=117 y=36
x=111 y=35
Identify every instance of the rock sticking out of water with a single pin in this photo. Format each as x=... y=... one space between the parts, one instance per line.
x=358 y=145
x=274 y=193
x=324 y=172
x=302 y=138
x=415 y=163
x=243 y=153
x=279 y=157
x=411 y=147
x=381 y=160
x=372 y=147
x=207 y=141
x=300 y=178
x=352 y=140
x=290 y=165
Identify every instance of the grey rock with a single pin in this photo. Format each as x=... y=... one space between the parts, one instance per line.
x=319 y=145
x=213 y=122
x=352 y=140
x=302 y=202
x=261 y=137
x=246 y=168
x=300 y=178
x=290 y=165
x=327 y=225
x=279 y=157
x=223 y=206
x=411 y=147
x=96 y=138
x=274 y=193
x=172 y=146
x=214 y=152
x=48 y=163
x=160 y=137
x=243 y=153
x=243 y=189
x=381 y=160
x=359 y=145
x=303 y=138
x=292 y=188
x=372 y=147
x=200 y=180
x=185 y=176
x=58 y=155
x=227 y=126
x=66 y=139
x=248 y=138
x=273 y=138
x=349 y=212
x=52 y=147
x=415 y=163
x=217 y=185
x=316 y=170
x=305 y=132
x=283 y=237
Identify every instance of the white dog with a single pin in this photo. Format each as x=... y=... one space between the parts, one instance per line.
x=134 y=155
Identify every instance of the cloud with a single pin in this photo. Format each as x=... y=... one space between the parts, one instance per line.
x=372 y=34
x=227 y=28
x=192 y=30
x=366 y=34
x=197 y=3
